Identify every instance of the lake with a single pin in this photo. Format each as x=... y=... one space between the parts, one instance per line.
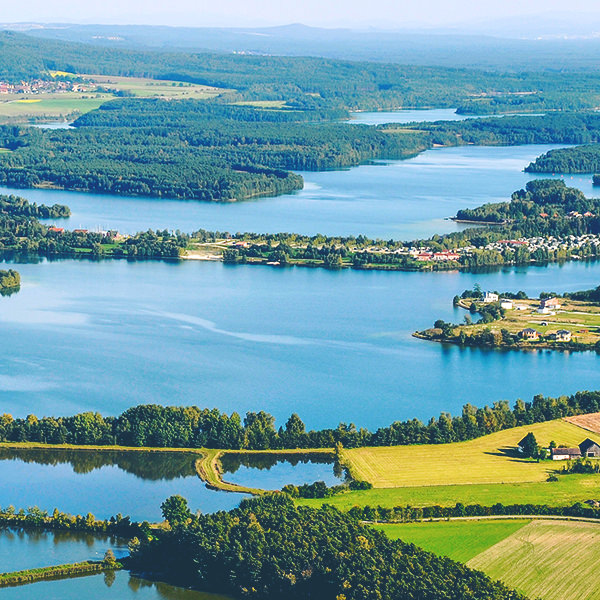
x=329 y=345
x=104 y=586
x=401 y=199
x=104 y=483
x=417 y=115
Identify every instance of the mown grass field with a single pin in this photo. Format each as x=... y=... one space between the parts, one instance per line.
x=489 y=459
x=552 y=560
x=459 y=540
x=568 y=490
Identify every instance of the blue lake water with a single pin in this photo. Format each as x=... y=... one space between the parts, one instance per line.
x=402 y=199
x=108 y=586
x=20 y=550
x=414 y=115
x=407 y=116
x=272 y=472
x=330 y=345
x=81 y=482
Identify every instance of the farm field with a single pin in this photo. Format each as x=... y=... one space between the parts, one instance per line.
x=590 y=422
x=49 y=106
x=552 y=560
x=489 y=459
x=566 y=491
x=154 y=88
x=458 y=540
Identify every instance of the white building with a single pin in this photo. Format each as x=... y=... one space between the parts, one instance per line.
x=490 y=297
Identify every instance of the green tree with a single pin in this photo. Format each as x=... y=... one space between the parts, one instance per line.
x=175 y=510
x=530 y=446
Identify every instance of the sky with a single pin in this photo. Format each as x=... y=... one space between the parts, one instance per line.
x=387 y=14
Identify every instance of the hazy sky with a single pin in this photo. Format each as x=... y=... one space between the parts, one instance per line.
x=355 y=13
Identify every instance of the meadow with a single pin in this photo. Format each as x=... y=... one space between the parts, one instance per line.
x=488 y=459
x=551 y=560
x=566 y=491
x=458 y=540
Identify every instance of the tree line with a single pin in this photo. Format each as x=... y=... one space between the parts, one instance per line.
x=191 y=427
x=408 y=514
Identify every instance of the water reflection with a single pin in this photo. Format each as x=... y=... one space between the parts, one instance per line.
x=273 y=471
x=152 y=466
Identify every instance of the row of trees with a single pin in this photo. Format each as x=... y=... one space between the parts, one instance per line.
x=36 y=518
x=192 y=427
x=268 y=548
x=407 y=514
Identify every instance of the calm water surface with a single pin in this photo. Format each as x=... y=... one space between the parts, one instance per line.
x=272 y=472
x=415 y=116
x=20 y=550
x=108 y=586
x=104 y=483
x=330 y=345
x=403 y=199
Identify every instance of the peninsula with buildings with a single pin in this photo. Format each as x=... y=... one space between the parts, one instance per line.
x=515 y=321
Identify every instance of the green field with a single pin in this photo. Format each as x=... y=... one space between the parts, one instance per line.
x=50 y=106
x=568 y=490
x=488 y=459
x=459 y=540
x=552 y=560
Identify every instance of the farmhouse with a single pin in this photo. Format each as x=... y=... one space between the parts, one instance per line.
x=529 y=334
x=490 y=297
x=506 y=304
x=589 y=448
x=565 y=453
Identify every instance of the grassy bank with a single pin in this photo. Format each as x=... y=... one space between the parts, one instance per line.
x=56 y=572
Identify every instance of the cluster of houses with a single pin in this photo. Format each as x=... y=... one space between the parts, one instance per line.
x=546 y=307
x=40 y=86
x=571 y=243
x=587 y=449
x=529 y=334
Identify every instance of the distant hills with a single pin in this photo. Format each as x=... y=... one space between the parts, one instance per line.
x=555 y=48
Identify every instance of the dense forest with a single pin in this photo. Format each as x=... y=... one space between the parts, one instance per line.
x=581 y=159
x=188 y=149
x=192 y=427
x=541 y=199
x=270 y=549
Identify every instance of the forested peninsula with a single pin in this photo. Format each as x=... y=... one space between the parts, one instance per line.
x=581 y=159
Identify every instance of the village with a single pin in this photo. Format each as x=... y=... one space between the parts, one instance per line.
x=42 y=86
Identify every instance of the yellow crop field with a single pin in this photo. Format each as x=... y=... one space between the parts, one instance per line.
x=552 y=560
x=489 y=459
